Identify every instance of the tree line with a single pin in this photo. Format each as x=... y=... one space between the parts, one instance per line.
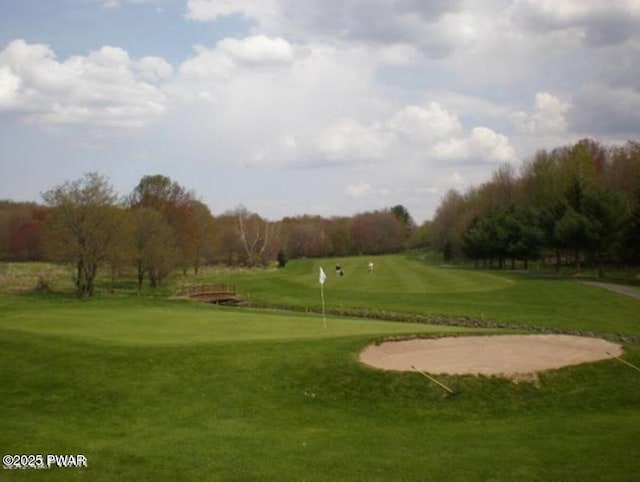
x=161 y=227
x=574 y=204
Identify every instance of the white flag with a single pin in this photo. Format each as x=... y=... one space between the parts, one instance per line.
x=323 y=276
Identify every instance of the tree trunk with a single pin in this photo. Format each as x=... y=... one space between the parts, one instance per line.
x=84 y=285
x=76 y=282
x=140 y=278
x=113 y=280
x=153 y=277
x=92 y=271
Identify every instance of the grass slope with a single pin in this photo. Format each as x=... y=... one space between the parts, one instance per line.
x=153 y=390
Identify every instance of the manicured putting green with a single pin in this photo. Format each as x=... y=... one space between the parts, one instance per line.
x=126 y=322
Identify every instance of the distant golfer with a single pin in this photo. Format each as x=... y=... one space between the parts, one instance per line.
x=371 y=267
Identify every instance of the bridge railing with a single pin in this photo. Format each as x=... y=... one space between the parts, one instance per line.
x=209 y=288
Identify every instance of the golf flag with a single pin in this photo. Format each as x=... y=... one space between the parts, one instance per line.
x=322 y=277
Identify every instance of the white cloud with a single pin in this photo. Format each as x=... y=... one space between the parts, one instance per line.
x=314 y=103
x=410 y=134
x=576 y=11
x=398 y=54
x=210 y=10
x=566 y=11
x=400 y=93
x=207 y=66
x=424 y=124
x=481 y=144
x=454 y=149
x=457 y=179
x=258 y=49
x=402 y=27
x=264 y=100
x=242 y=62
x=348 y=140
x=595 y=22
x=547 y=118
x=491 y=146
x=153 y=68
x=9 y=87
x=104 y=88
x=113 y=4
x=359 y=190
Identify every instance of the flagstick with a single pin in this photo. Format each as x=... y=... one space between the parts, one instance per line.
x=321 y=279
x=324 y=318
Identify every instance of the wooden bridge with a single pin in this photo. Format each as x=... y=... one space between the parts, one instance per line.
x=212 y=293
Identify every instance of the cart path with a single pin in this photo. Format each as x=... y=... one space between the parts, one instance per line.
x=621 y=289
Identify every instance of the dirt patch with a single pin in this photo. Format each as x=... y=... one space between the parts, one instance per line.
x=514 y=356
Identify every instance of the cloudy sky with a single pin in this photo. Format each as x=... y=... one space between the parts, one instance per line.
x=315 y=106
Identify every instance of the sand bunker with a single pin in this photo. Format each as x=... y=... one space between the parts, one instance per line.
x=511 y=356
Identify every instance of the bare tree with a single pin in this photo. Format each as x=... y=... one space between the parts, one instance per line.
x=255 y=236
x=84 y=224
x=154 y=246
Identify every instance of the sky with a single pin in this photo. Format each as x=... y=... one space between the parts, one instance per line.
x=308 y=107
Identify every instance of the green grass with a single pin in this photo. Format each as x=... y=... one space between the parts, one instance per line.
x=145 y=322
x=149 y=389
x=404 y=284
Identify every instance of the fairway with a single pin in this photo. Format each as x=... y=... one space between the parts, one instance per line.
x=399 y=274
x=149 y=389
